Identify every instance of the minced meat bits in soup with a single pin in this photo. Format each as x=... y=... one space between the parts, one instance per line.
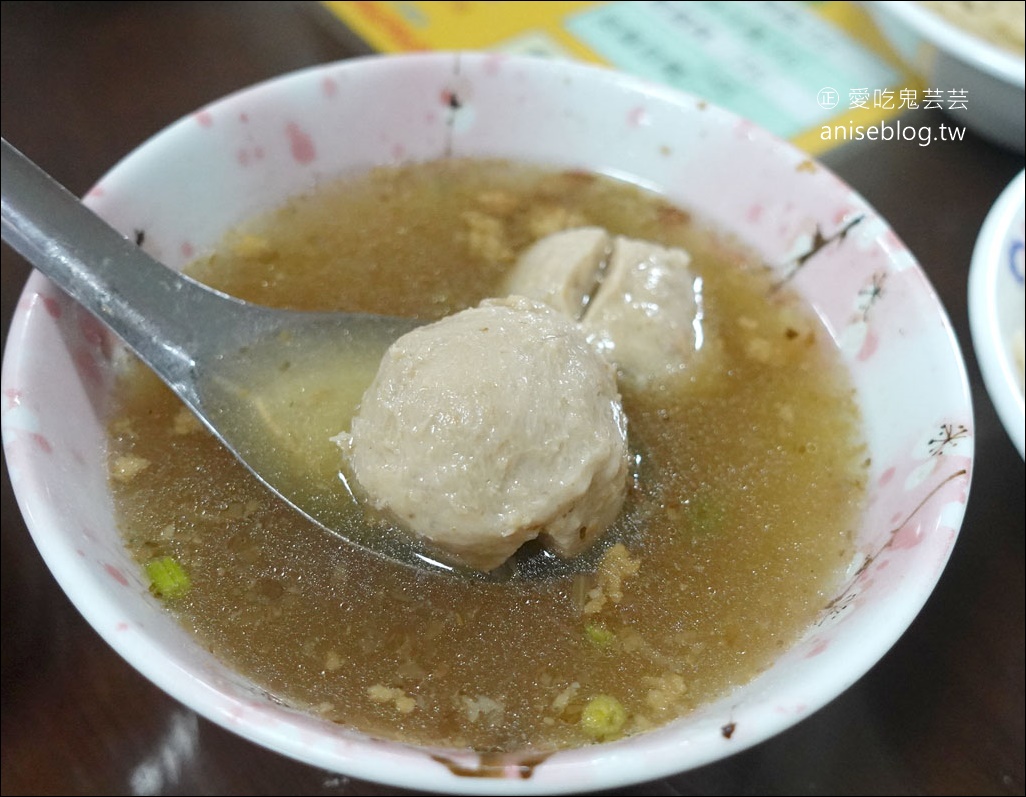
x=745 y=483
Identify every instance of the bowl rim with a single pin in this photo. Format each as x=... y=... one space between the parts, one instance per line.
x=990 y=340
x=617 y=767
x=968 y=47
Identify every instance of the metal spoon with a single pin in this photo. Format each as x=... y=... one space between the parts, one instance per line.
x=215 y=352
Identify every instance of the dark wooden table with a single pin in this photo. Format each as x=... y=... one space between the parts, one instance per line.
x=942 y=713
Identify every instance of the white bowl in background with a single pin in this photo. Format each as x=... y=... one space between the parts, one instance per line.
x=200 y=177
x=997 y=307
x=949 y=58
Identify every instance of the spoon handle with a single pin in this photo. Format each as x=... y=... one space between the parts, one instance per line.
x=153 y=308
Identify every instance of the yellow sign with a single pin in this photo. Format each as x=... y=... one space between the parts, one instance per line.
x=815 y=73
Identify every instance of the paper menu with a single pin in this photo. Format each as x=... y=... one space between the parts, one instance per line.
x=799 y=69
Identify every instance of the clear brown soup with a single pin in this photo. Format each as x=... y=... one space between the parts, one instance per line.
x=739 y=522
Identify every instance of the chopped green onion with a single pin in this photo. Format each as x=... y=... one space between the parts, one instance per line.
x=603 y=717
x=167 y=578
x=705 y=515
x=598 y=634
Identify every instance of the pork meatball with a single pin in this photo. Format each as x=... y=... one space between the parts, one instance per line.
x=494 y=426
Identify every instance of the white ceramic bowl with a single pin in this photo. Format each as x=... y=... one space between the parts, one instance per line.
x=249 y=151
x=996 y=307
x=948 y=57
